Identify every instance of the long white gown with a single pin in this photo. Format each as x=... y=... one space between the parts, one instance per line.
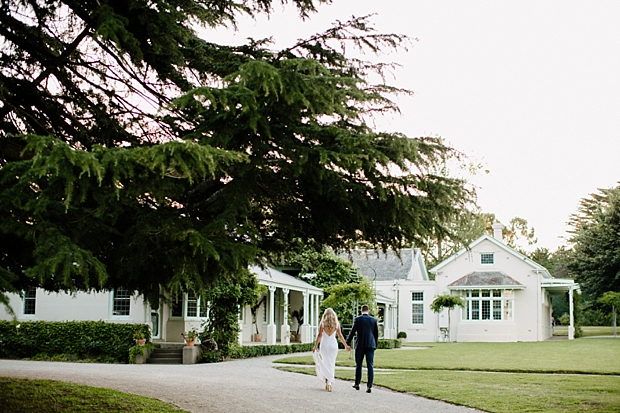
x=325 y=357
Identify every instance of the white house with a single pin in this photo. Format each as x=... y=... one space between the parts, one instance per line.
x=170 y=320
x=404 y=291
x=507 y=295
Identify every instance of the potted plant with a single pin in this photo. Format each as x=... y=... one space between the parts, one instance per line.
x=139 y=336
x=190 y=336
x=261 y=297
x=402 y=336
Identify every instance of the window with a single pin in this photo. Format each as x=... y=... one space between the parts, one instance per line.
x=417 y=307
x=176 y=307
x=192 y=305
x=488 y=305
x=195 y=306
x=487 y=258
x=121 y=302
x=30 y=301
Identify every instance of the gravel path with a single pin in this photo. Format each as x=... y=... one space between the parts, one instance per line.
x=251 y=385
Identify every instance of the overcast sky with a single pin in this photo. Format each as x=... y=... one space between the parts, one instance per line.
x=529 y=88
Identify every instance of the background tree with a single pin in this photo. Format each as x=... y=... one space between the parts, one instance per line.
x=345 y=299
x=224 y=301
x=611 y=300
x=595 y=257
x=136 y=154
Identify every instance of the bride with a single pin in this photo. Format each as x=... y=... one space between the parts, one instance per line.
x=325 y=358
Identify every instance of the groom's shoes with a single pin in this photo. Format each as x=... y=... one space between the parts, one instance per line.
x=368 y=390
x=356 y=386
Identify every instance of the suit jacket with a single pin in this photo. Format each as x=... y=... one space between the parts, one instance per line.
x=367 y=332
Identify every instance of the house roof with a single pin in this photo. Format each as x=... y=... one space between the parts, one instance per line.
x=387 y=266
x=269 y=276
x=537 y=267
x=490 y=279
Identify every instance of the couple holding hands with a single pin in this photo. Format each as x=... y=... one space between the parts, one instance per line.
x=366 y=331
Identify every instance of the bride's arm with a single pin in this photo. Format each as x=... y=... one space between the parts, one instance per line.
x=341 y=337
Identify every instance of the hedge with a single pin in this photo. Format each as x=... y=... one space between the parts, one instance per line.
x=239 y=352
x=73 y=340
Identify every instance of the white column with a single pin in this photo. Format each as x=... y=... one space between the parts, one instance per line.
x=240 y=322
x=285 y=329
x=271 y=327
x=305 y=328
x=571 y=327
x=317 y=316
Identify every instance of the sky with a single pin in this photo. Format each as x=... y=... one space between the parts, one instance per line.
x=529 y=89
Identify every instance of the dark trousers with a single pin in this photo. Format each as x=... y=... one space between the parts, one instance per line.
x=360 y=353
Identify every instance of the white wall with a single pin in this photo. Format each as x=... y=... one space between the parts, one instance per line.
x=400 y=291
x=75 y=307
x=527 y=305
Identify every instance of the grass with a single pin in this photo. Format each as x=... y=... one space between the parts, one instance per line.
x=551 y=376
x=591 y=331
x=585 y=356
x=49 y=396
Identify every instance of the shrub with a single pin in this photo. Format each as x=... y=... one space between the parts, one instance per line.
x=401 y=334
x=388 y=343
x=238 y=352
x=71 y=340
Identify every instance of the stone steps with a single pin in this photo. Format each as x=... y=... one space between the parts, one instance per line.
x=166 y=355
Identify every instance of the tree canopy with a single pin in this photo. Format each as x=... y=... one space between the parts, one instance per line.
x=134 y=153
x=595 y=256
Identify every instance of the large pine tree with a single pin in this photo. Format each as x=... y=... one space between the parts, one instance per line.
x=134 y=153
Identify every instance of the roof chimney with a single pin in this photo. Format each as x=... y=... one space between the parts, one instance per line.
x=497 y=231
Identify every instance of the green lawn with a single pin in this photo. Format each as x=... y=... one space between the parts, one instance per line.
x=592 y=355
x=501 y=377
x=588 y=331
x=49 y=396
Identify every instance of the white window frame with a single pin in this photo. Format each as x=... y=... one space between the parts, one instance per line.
x=417 y=307
x=28 y=297
x=116 y=299
x=498 y=303
x=487 y=255
x=198 y=311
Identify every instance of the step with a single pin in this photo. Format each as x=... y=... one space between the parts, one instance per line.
x=166 y=356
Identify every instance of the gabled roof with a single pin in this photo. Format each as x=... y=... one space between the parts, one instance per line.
x=388 y=266
x=485 y=279
x=269 y=276
x=535 y=266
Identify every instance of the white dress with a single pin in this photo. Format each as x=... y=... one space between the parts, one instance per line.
x=325 y=357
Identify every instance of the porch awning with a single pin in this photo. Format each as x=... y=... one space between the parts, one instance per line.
x=382 y=299
x=486 y=279
x=270 y=276
x=558 y=286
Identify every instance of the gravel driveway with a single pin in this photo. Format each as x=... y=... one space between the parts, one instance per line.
x=251 y=385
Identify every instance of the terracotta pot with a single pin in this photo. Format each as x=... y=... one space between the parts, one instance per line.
x=141 y=341
x=258 y=338
x=191 y=342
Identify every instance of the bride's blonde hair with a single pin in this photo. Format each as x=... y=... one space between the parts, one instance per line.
x=330 y=321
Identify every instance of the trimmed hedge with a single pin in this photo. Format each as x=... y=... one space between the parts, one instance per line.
x=238 y=352
x=388 y=343
x=70 y=340
x=383 y=344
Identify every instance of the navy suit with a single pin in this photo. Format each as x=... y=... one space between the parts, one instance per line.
x=367 y=332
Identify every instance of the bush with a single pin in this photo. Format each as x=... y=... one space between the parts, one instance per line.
x=238 y=352
x=401 y=334
x=71 y=340
x=388 y=343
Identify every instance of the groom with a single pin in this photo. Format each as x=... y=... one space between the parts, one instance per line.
x=367 y=332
